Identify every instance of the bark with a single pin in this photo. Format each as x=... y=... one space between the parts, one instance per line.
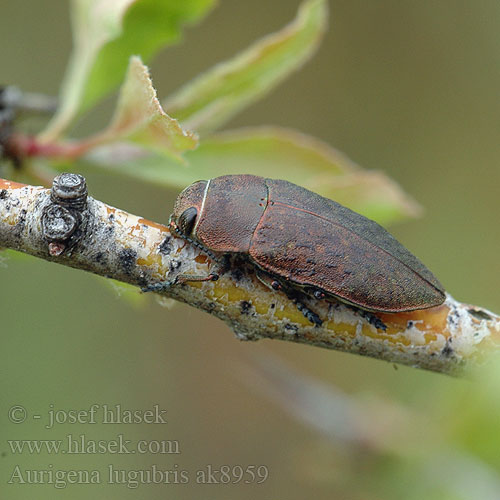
x=65 y=225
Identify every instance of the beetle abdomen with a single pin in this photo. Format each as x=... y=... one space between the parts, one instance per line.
x=312 y=241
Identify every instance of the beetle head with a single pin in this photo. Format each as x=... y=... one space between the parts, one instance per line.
x=188 y=207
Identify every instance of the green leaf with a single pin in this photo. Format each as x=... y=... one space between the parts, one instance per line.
x=272 y=152
x=214 y=97
x=140 y=118
x=106 y=33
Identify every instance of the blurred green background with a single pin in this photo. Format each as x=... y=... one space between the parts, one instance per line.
x=410 y=88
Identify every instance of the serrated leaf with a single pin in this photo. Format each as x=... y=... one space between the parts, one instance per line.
x=106 y=33
x=140 y=118
x=213 y=98
x=278 y=153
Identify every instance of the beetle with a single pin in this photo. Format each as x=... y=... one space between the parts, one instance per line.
x=303 y=244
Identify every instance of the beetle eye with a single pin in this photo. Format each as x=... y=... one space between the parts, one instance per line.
x=186 y=220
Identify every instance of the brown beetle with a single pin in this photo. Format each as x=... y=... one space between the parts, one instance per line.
x=302 y=243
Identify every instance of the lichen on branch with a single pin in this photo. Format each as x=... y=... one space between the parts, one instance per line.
x=59 y=226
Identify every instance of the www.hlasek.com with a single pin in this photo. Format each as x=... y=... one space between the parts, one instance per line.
x=82 y=445
x=225 y=474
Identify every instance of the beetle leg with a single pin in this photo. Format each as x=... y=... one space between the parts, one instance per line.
x=370 y=317
x=317 y=293
x=374 y=320
x=310 y=315
x=185 y=278
x=197 y=244
x=268 y=280
x=293 y=295
x=220 y=267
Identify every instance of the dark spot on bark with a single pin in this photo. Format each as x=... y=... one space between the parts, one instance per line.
x=479 y=314
x=291 y=328
x=447 y=349
x=142 y=282
x=409 y=324
x=453 y=318
x=273 y=306
x=99 y=257
x=237 y=274
x=22 y=222
x=127 y=258
x=245 y=307
x=111 y=217
x=210 y=306
x=166 y=246
x=3 y=194
x=174 y=264
x=110 y=230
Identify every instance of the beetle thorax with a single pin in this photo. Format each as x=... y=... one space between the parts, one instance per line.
x=228 y=213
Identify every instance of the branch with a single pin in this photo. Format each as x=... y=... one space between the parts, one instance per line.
x=66 y=226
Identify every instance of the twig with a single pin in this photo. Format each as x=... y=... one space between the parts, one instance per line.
x=65 y=225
